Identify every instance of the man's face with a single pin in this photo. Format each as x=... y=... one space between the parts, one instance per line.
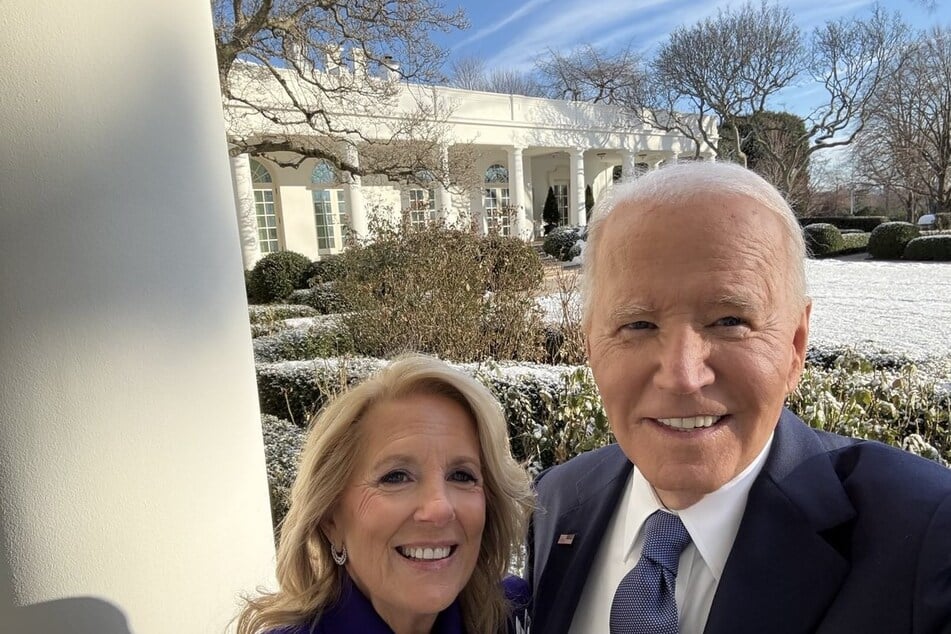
x=694 y=338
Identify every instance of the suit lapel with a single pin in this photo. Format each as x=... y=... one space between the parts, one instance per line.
x=788 y=559
x=583 y=525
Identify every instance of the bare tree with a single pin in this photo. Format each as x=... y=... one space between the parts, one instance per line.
x=310 y=77
x=588 y=73
x=470 y=73
x=906 y=143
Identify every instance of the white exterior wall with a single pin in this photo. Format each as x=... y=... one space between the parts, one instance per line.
x=132 y=478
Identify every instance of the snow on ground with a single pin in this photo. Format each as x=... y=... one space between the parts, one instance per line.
x=894 y=307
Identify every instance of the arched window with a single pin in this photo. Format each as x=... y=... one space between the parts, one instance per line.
x=259 y=173
x=330 y=207
x=265 y=209
x=324 y=174
x=496 y=201
x=497 y=174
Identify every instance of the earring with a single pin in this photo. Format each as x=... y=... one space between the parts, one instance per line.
x=340 y=558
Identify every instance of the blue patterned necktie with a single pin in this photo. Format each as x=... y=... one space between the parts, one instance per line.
x=644 y=602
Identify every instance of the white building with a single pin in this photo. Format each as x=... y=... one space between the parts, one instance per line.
x=524 y=146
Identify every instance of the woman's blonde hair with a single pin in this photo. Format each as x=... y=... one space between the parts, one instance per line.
x=308 y=578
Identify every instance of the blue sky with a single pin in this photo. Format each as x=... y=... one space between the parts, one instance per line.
x=509 y=34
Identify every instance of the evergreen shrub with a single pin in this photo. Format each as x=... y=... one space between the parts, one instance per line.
x=854 y=242
x=558 y=243
x=823 y=239
x=888 y=240
x=277 y=274
x=934 y=247
x=550 y=213
x=943 y=221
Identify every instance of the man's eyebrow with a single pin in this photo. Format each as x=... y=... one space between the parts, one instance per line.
x=628 y=310
x=736 y=301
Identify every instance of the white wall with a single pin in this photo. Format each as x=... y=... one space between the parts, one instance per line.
x=132 y=485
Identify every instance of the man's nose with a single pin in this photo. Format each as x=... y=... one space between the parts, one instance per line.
x=435 y=505
x=683 y=366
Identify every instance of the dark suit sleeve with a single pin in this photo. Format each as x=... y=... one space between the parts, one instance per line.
x=932 y=612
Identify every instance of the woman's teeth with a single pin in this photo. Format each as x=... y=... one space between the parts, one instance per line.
x=425 y=554
x=689 y=423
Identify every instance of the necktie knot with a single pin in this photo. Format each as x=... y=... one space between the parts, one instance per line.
x=665 y=537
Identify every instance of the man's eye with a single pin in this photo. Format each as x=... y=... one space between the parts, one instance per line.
x=730 y=321
x=639 y=325
x=462 y=475
x=395 y=477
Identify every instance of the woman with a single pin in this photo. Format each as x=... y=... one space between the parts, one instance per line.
x=406 y=511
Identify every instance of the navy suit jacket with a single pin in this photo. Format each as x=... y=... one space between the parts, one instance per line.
x=838 y=536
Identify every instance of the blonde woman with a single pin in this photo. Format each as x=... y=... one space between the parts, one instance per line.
x=405 y=514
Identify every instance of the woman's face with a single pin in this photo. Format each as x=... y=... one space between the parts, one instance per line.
x=412 y=514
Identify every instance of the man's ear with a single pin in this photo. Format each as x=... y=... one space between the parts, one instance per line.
x=800 y=344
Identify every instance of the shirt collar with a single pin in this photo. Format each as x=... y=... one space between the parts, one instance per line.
x=712 y=521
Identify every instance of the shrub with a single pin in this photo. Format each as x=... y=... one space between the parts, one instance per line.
x=862 y=223
x=445 y=292
x=854 y=242
x=550 y=213
x=322 y=271
x=933 y=247
x=322 y=339
x=823 y=239
x=283 y=442
x=888 y=240
x=943 y=221
x=276 y=275
x=558 y=243
x=324 y=298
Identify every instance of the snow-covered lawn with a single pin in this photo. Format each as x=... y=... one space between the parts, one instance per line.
x=895 y=307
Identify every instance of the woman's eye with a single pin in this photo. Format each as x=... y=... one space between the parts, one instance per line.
x=730 y=321
x=462 y=476
x=395 y=477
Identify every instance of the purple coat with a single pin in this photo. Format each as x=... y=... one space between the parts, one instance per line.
x=354 y=614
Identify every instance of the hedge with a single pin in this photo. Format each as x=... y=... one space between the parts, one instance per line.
x=823 y=239
x=864 y=223
x=554 y=412
x=888 y=240
x=933 y=247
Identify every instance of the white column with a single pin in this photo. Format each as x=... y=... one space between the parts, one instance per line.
x=576 y=211
x=132 y=476
x=244 y=205
x=443 y=196
x=628 y=167
x=674 y=158
x=358 y=214
x=522 y=226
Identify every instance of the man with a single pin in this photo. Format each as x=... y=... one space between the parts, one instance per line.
x=697 y=322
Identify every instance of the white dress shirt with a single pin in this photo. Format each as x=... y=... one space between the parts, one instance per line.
x=712 y=523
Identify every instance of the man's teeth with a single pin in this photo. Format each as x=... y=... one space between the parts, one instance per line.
x=691 y=422
x=425 y=553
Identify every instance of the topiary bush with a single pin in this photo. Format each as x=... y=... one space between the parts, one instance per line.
x=277 y=274
x=888 y=240
x=328 y=269
x=933 y=247
x=558 y=243
x=854 y=242
x=823 y=239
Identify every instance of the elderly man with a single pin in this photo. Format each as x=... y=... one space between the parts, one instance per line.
x=718 y=510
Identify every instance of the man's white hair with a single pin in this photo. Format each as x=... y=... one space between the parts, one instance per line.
x=683 y=182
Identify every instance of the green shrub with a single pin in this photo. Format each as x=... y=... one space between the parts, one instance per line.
x=934 y=247
x=943 y=221
x=558 y=243
x=862 y=223
x=276 y=275
x=550 y=213
x=444 y=292
x=823 y=239
x=888 y=240
x=283 y=442
x=328 y=269
x=323 y=339
x=854 y=242
x=324 y=298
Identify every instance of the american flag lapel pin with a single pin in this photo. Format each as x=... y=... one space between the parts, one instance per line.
x=566 y=539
